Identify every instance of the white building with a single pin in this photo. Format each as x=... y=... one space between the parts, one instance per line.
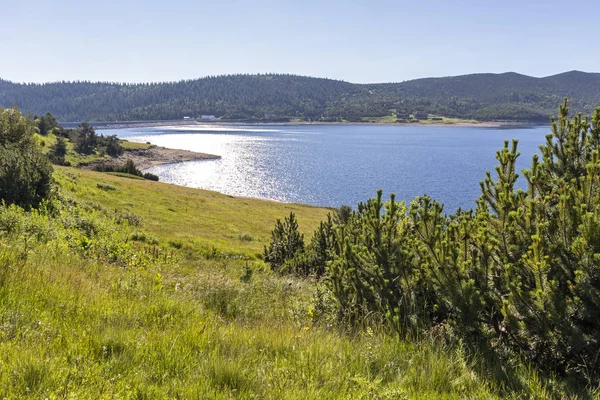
x=209 y=118
x=186 y=118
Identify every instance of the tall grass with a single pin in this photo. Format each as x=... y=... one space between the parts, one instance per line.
x=88 y=312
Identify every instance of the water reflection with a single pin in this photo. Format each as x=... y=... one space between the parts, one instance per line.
x=337 y=164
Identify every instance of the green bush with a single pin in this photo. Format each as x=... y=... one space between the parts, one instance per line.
x=150 y=176
x=519 y=275
x=177 y=244
x=60 y=147
x=113 y=147
x=285 y=242
x=105 y=186
x=46 y=124
x=127 y=168
x=312 y=260
x=125 y=216
x=86 y=139
x=25 y=173
x=11 y=219
x=342 y=214
x=372 y=271
x=58 y=160
x=246 y=237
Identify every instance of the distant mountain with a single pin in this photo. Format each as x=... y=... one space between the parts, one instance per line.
x=509 y=96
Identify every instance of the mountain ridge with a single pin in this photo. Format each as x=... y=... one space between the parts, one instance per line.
x=570 y=72
x=258 y=97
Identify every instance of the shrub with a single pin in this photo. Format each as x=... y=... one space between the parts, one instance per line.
x=372 y=272
x=342 y=214
x=177 y=244
x=60 y=147
x=11 y=219
x=58 y=160
x=150 y=176
x=143 y=237
x=105 y=186
x=127 y=168
x=521 y=272
x=312 y=260
x=246 y=237
x=46 y=124
x=285 y=242
x=122 y=216
x=113 y=147
x=25 y=173
x=86 y=139
x=130 y=168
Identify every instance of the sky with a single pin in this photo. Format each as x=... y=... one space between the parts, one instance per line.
x=353 y=40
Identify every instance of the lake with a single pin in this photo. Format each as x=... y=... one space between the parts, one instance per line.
x=332 y=165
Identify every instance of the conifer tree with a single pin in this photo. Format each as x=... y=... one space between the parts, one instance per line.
x=371 y=272
x=286 y=241
x=520 y=272
x=60 y=148
x=87 y=138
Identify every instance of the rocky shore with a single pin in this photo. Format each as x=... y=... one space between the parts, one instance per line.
x=155 y=155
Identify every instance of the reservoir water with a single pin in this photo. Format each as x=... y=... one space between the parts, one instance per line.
x=331 y=165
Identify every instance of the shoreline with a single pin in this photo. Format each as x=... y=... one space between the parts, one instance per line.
x=145 y=159
x=157 y=155
x=152 y=124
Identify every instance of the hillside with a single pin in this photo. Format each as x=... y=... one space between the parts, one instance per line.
x=507 y=96
x=150 y=290
x=270 y=97
x=116 y=286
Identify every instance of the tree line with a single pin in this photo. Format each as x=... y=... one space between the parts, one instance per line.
x=279 y=97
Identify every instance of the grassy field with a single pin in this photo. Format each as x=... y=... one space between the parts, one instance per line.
x=127 y=145
x=137 y=289
x=447 y=121
x=390 y=119
x=75 y=158
x=196 y=220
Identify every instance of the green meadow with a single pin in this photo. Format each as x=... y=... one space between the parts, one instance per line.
x=125 y=288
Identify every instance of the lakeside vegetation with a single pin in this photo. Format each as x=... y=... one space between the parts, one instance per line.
x=284 y=98
x=127 y=288
x=518 y=276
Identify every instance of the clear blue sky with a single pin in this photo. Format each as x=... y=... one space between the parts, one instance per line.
x=357 y=41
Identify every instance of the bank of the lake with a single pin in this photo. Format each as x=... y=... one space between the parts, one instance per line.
x=152 y=156
x=424 y=123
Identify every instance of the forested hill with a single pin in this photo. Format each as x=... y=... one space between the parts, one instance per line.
x=508 y=96
x=486 y=97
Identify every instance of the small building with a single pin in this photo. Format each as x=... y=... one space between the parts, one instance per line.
x=402 y=115
x=209 y=118
x=186 y=118
x=420 y=115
